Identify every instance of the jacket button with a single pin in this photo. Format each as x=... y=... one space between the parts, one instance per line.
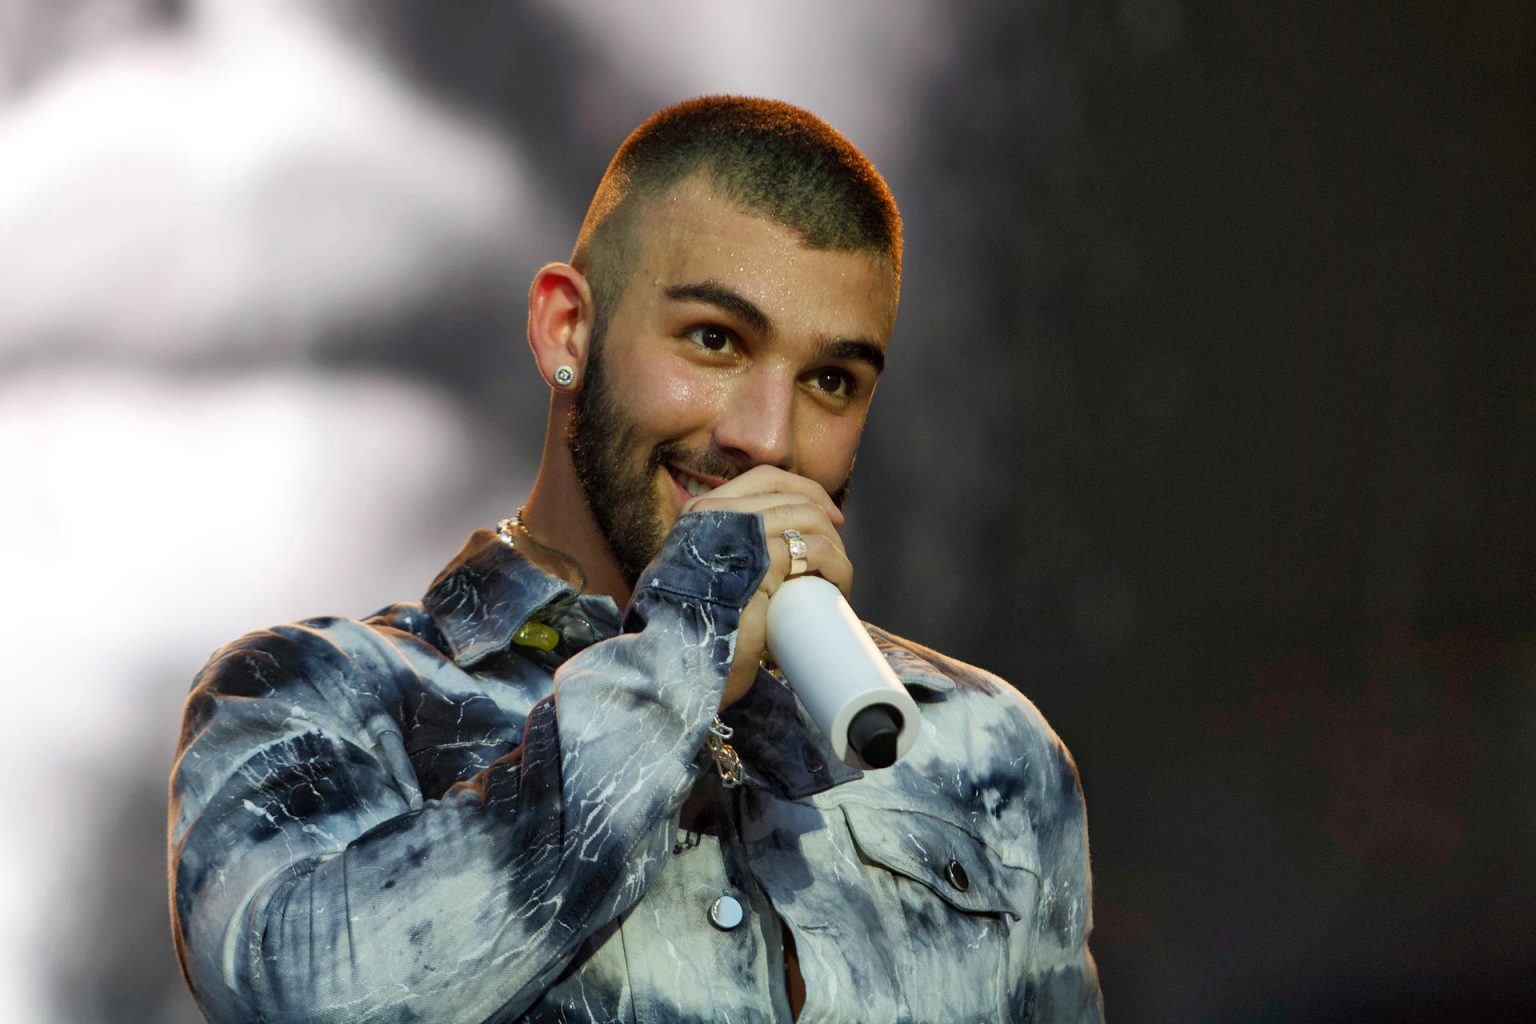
x=725 y=913
x=955 y=872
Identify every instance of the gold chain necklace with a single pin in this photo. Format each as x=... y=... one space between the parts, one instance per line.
x=514 y=524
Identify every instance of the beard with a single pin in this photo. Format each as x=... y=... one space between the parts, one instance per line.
x=619 y=483
x=605 y=444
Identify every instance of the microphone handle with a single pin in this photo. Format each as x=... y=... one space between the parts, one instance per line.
x=838 y=673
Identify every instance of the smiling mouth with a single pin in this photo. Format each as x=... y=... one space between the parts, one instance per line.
x=693 y=486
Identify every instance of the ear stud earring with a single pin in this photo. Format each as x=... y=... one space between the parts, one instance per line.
x=565 y=376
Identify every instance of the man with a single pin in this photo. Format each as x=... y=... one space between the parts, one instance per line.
x=514 y=801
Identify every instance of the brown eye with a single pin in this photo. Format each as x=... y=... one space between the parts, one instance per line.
x=712 y=339
x=834 y=382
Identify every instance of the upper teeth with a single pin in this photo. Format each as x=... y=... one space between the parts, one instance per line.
x=695 y=487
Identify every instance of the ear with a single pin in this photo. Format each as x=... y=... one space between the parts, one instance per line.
x=560 y=316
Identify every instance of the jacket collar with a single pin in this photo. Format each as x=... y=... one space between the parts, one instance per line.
x=488 y=591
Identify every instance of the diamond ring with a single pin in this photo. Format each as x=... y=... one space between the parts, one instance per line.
x=797 y=550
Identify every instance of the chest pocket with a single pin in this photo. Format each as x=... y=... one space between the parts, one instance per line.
x=966 y=913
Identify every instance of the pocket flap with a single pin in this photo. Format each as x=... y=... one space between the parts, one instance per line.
x=960 y=868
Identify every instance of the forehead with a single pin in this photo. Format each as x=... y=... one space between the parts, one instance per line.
x=692 y=234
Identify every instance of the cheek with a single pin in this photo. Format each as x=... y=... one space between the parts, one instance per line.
x=666 y=395
x=828 y=447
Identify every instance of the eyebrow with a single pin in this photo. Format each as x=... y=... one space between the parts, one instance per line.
x=853 y=349
x=718 y=295
x=721 y=297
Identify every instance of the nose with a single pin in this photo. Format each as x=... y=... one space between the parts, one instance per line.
x=757 y=425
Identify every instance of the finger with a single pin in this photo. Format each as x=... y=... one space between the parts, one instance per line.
x=824 y=552
x=750 y=640
x=810 y=520
x=762 y=503
x=829 y=562
x=771 y=479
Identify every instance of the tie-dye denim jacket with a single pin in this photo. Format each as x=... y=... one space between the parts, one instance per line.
x=417 y=817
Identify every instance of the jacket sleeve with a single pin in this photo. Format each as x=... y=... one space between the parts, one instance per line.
x=1063 y=982
x=311 y=882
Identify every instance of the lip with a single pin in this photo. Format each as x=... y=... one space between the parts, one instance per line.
x=678 y=476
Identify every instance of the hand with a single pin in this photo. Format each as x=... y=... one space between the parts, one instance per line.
x=785 y=502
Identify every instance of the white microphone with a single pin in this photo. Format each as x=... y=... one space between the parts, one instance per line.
x=838 y=673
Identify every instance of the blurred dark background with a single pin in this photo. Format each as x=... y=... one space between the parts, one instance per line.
x=1210 y=423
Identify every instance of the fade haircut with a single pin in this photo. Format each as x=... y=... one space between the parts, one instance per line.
x=766 y=156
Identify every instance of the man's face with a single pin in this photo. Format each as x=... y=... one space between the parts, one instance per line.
x=733 y=345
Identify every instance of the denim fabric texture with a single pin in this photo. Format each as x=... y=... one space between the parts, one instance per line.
x=413 y=817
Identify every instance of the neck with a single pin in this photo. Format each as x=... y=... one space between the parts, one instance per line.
x=557 y=515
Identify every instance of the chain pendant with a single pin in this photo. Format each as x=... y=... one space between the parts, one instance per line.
x=727 y=763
